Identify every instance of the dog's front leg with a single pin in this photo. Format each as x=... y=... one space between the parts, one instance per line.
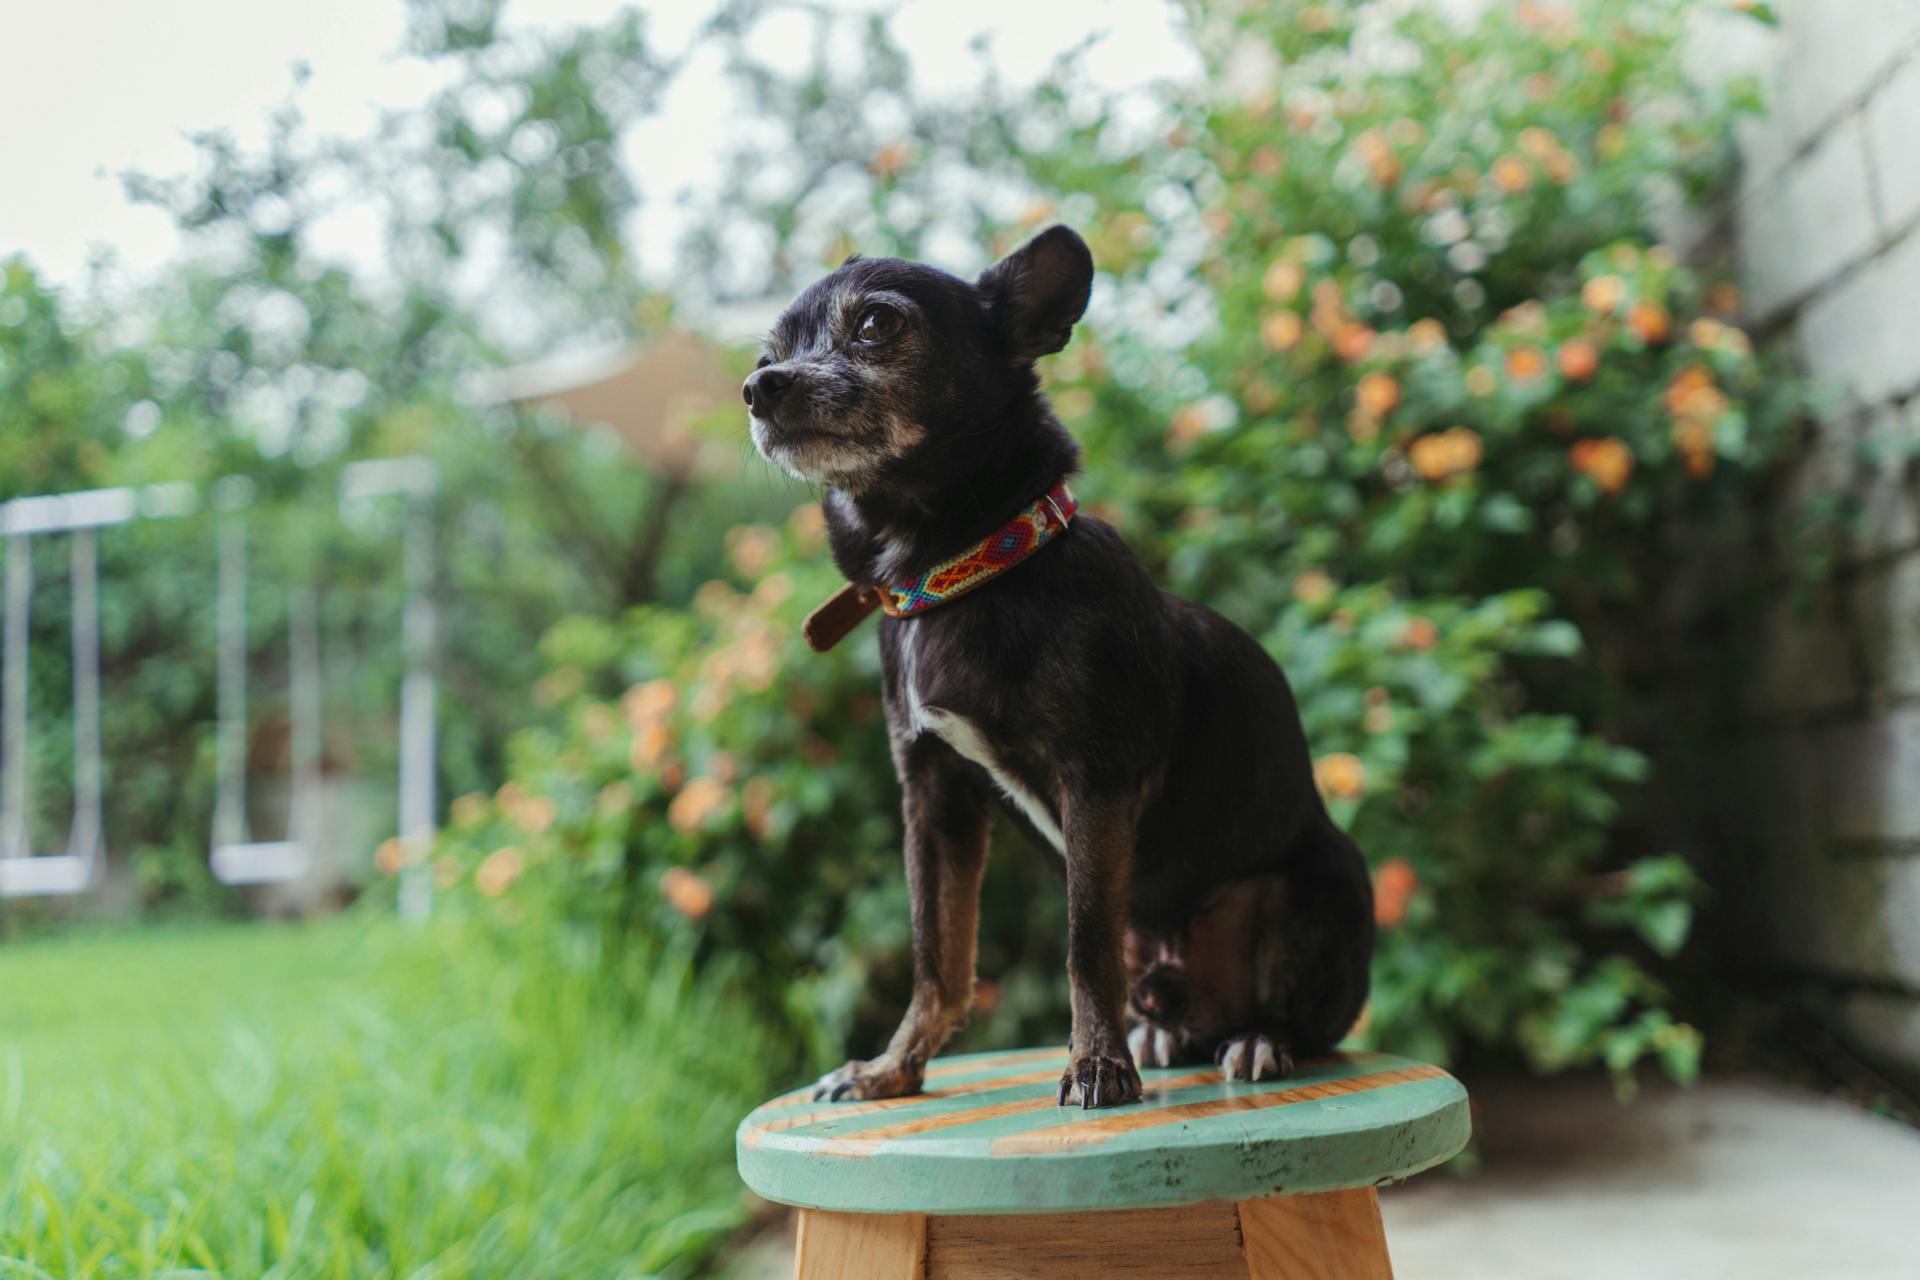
x=1099 y=833
x=947 y=808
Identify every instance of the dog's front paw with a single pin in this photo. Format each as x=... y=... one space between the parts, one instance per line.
x=1096 y=1080
x=1253 y=1057
x=860 y=1081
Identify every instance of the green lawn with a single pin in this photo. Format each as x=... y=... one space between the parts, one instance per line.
x=350 y=1099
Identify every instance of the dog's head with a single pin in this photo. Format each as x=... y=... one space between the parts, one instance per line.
x=887 y=369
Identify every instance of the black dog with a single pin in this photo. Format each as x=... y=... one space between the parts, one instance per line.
x=1151 y=743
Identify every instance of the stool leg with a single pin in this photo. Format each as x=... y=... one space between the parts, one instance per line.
x=860 y=1246
x=1332 y=1236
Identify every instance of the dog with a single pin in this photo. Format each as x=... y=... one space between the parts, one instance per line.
x=1029 y=662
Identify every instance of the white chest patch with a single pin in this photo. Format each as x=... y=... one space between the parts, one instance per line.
x=964 y=736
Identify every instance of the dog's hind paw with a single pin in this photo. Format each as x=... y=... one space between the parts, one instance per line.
x=1093 y=1080
x=1253 y=1056
x=859 y=1081
x=1155 y=1046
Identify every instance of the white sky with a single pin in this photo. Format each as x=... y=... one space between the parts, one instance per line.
x=91 y=88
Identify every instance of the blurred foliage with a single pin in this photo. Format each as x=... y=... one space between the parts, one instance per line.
x=1389 y=364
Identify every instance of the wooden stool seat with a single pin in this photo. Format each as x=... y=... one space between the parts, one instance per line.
x=1205 y=1177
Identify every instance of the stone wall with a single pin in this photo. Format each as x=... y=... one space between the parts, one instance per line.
x=1827 y=232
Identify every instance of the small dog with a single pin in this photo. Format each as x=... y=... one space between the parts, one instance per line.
x=1149 y=742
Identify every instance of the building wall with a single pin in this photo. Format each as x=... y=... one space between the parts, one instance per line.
x=1827 y=233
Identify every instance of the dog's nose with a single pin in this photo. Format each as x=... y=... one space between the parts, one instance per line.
x=764 y=387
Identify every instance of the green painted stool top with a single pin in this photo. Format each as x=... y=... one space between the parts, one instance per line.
x=988 y=1137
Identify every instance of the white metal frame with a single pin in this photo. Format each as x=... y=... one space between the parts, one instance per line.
x=80 y=516
x=414 y=481
x=234 y=857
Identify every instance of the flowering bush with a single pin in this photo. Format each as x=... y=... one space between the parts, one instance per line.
x=1392 y=369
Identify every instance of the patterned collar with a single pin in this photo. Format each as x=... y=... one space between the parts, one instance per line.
x=1040 y=523
x=1044 y=519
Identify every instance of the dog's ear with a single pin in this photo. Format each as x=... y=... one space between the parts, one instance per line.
x=1038 y=292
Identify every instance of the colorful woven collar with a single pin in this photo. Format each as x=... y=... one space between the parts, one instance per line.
x=1040 y=523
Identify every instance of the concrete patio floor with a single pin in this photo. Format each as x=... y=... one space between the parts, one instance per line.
x=1734 y=1178
x=1730 y=1179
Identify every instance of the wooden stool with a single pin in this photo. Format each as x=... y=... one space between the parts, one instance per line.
x=984 y=1177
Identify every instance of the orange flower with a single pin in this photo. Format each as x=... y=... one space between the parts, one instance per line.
x=890 y=159
x=699 y=800
x=1608 y=462
x=1724 y=299
x=1377 y=152
x=1577 y=359
x=1283 y=279
x=1188 y=425
x=756 y=806
x=650 y=747
x=1353 y=342
x=647 y=703
x=1442 y=455
x=1686 y=384
x=1604 y=294
x=469 y=809
x=1529 y=317
x=1650 y=321
x=1341 y=775
x=1524 y=364
x=1420 y=633
x=1281 y=329
x=1694 y=439
x=1480 y=381
x=1712 y=335
x=809 y=526
x=536 y=814
x=1427 y=335
x=391 y=856
x=1512 y=174
x=1377 y=395
x=1393 y=885
x=498 y=870
x=751 y=547
x=1266 y=163
x=1538 y=143
x=1312 y=587
x=686 y=893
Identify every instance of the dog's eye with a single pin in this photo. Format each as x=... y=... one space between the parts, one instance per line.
x=876 y=326
x=763 y=362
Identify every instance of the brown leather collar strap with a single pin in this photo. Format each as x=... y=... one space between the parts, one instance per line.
x=844 y=610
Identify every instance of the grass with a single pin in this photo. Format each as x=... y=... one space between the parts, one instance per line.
x=349 y=1099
